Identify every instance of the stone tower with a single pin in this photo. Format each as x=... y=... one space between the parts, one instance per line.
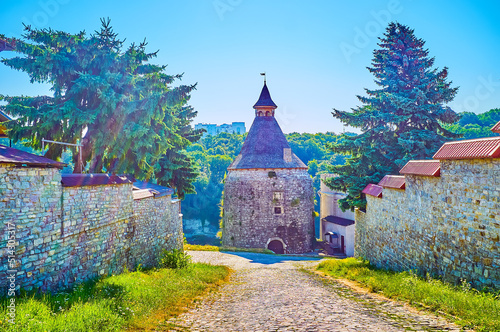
x=268 y=194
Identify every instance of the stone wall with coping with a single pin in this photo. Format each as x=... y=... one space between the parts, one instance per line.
x=150 y=233
x=447 y=226
x=249 y=202
x=66 y=235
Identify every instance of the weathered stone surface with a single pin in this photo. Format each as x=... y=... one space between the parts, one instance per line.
x=250 y=197
x=71 y=234
x=447 y=226
x=270 y=293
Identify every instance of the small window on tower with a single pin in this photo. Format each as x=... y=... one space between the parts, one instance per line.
x=278 y=195
x=277 y=210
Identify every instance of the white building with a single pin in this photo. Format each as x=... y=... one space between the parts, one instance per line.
x=336 y=227
x=213 y=129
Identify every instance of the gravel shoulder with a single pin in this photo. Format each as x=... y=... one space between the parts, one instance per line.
x=276 y=293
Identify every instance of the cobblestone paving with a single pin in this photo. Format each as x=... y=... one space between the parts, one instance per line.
x=272 y=293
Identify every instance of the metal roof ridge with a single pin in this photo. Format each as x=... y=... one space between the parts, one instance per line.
x=479 y=148
x=9 y=155
x=422 y=167
x=373 y=190
x=496 y=128
x=423 y=160
x=388 y=181
x=474 y=140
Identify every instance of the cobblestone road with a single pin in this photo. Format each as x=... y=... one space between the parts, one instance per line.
x=272 y=293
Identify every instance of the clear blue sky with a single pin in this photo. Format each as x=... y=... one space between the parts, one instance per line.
x=315 y=53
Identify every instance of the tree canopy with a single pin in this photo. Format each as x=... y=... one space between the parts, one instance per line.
x=123 y=109
x=472 y=125
x=400 y=120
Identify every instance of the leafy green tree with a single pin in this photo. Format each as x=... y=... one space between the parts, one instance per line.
x=311 y=146
x=490 y=118
x=123 y=109
x=218 y=166
x=400 y=120
x=213 y=154
x=472 y=125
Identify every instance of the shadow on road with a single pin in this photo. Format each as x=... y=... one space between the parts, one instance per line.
x=269 y=258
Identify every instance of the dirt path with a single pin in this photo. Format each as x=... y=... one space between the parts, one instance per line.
x=272 y=293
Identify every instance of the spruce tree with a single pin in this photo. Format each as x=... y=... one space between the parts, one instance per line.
x=123 y=109
x=401 y=120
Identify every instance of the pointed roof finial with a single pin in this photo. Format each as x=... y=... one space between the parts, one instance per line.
x=265 y=100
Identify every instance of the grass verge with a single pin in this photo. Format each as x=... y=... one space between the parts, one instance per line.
x=471 y=308
x=198 y=247
x=134 y=300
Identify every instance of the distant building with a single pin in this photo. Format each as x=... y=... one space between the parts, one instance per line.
x=336 y=227
x=213 y=129
x=268 y=194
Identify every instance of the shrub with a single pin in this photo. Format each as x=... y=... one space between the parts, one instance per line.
x=174 y=259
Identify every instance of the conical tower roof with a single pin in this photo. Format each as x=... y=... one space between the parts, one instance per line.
x=265 y=99
x=266 y=145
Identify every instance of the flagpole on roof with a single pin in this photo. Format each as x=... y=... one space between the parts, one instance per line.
x=264 y=74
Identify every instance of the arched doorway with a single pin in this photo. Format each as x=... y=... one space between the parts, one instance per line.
x=276 y=246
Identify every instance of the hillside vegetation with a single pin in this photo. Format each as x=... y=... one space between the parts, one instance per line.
x=472 y=125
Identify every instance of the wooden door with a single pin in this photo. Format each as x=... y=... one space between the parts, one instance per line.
x=276 y=246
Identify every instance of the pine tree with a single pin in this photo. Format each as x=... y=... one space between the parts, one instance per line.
x=400 y=120
x=123 y=109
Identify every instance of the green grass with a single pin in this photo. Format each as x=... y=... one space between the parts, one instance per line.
x=135 y=300
x=198 y=247
x=471 y=308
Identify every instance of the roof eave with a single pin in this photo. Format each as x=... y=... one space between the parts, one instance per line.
x=43 y=165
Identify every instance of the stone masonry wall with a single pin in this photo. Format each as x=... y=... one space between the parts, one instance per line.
x=151 y=233
x=447 y=226
x=66 y=235
x=249 y=201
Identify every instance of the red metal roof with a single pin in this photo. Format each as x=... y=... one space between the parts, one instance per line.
x=393 y=181
x=338 y=220
x=496 y=128
x=373 y=190
x=141 y=193
x=470 y=149
x=79 y=180
x=21 y=158
x=155 y=189
x=3 y=117
x=422 y=167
